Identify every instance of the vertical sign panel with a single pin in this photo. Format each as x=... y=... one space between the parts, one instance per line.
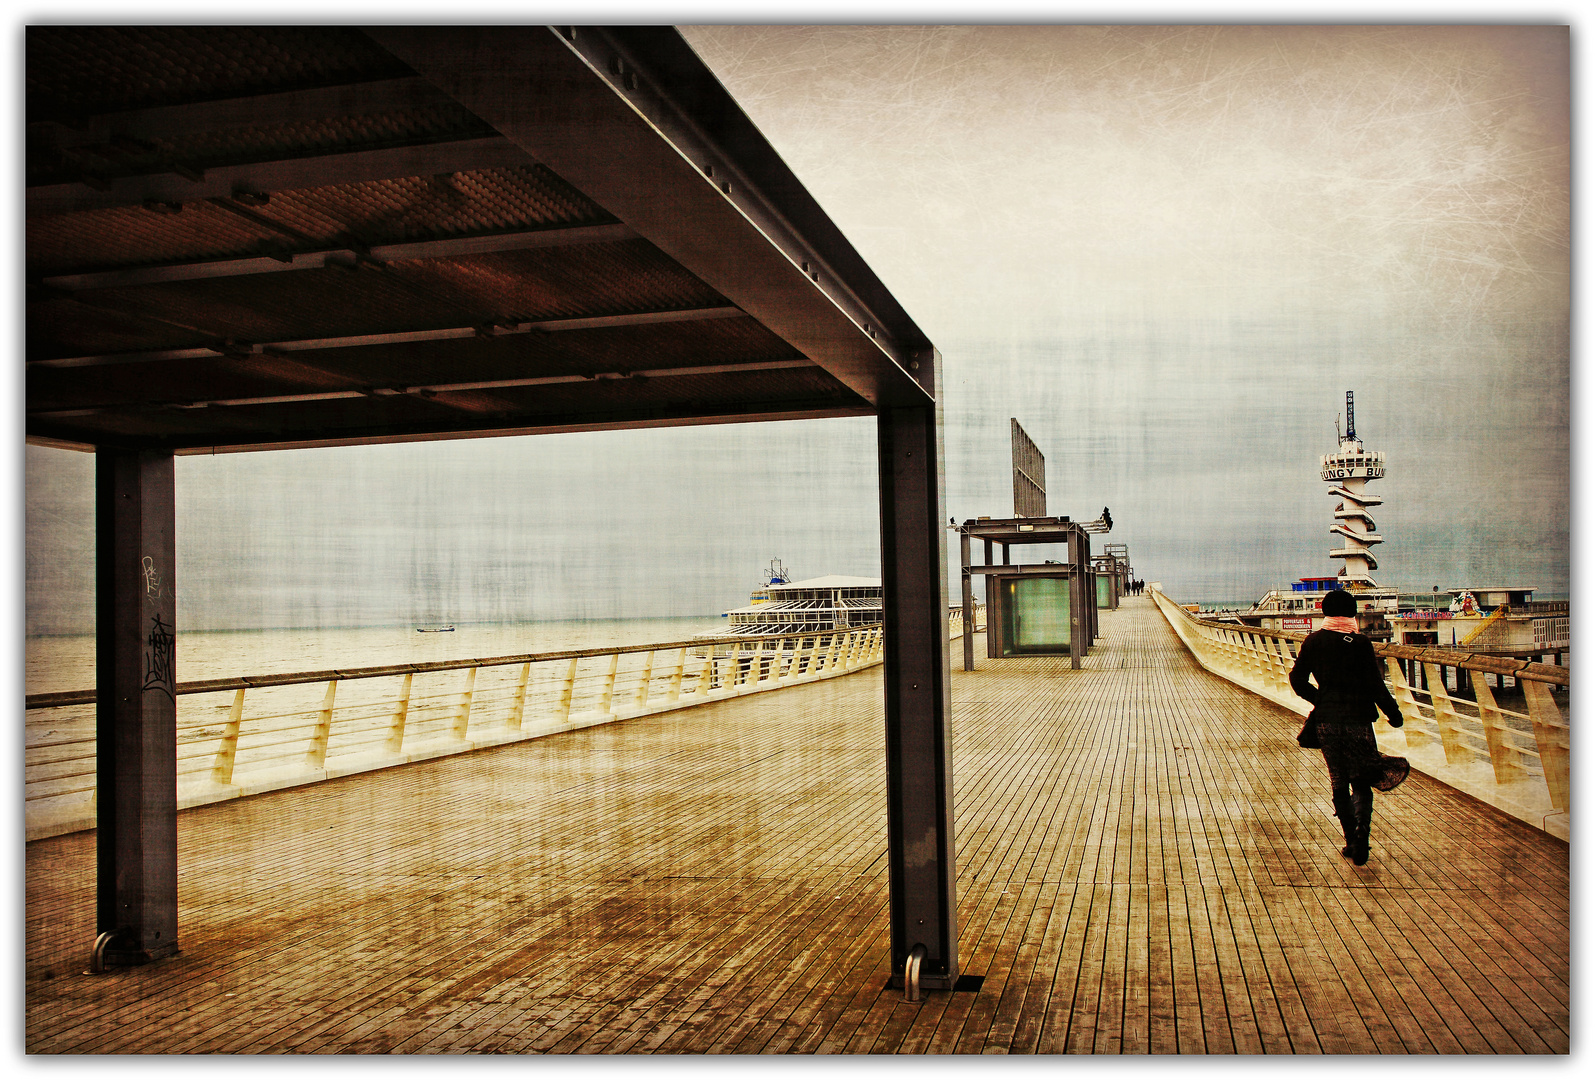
x=1029 y=475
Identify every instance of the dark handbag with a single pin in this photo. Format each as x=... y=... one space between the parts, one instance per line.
x=1308 y=737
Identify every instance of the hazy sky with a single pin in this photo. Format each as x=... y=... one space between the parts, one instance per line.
x=1169 y=252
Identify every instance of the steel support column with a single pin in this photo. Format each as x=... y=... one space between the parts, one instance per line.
x=916 y=667
x=136 y=726
x=969 y=600
x=1078 y=632
x=1094 y=627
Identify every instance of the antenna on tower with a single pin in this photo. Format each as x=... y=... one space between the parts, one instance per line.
x=1351 y=423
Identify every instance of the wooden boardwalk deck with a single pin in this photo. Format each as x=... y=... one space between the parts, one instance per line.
x=1147 y=864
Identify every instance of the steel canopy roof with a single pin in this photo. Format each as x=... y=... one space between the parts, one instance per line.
x=255 y=237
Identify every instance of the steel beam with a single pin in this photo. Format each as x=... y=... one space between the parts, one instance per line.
x=1011 y=569
x=135 y=686
x=245 y=435
x=289 y=174
x=403 y=337
x=432 y=392
x=176 y=122
x=605 y=107
x=453 y=247
x=919 y=768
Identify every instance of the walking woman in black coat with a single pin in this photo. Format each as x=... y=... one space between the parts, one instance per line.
x=1348 y=697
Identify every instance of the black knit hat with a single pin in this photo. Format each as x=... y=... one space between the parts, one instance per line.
x=1339 y=602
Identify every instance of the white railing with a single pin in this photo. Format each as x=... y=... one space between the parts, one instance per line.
x=242 y=736
x=246 y=735
x=1517 y=762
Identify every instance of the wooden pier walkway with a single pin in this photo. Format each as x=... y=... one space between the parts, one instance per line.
x=1146 y=864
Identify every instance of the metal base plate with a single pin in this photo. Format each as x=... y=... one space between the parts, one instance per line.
x=965 y=984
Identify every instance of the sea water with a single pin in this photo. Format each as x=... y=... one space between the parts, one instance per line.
x=58 y=663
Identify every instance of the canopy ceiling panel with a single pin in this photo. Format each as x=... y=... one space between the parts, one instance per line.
x=254 y=237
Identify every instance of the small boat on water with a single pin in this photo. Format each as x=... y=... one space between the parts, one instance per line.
x=434 y=629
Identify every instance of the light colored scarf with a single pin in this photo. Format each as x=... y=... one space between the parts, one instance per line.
x=1342 y=624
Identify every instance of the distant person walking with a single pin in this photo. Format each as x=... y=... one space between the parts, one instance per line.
x=1348 y=697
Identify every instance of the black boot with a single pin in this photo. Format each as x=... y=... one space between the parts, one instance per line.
x=1357 y=836
x=1346 y=812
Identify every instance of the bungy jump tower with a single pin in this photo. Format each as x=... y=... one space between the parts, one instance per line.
x=1300 y=608
x=1348 y=471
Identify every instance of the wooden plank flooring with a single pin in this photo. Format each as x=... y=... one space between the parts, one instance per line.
x=1147 y=864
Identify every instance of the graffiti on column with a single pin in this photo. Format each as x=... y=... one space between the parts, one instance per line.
x=160 y=658
x=152 y=578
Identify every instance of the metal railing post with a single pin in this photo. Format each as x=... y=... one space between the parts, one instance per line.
x=462 y=718
x=1407 y=702
x=1551 y=736
x=1246 y=658
x=678 y=674
x=316 y=753
x=706 y=677
x=519 y=709
x=1262 y=662
x=401 y=713
x=1504 y=758
x=1282 y=659
x=568 y=690
x=608 y=694
x=227 y=752
x=785 y=656
x=641 y=698
x=1225 y=646
x=1445 y=719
